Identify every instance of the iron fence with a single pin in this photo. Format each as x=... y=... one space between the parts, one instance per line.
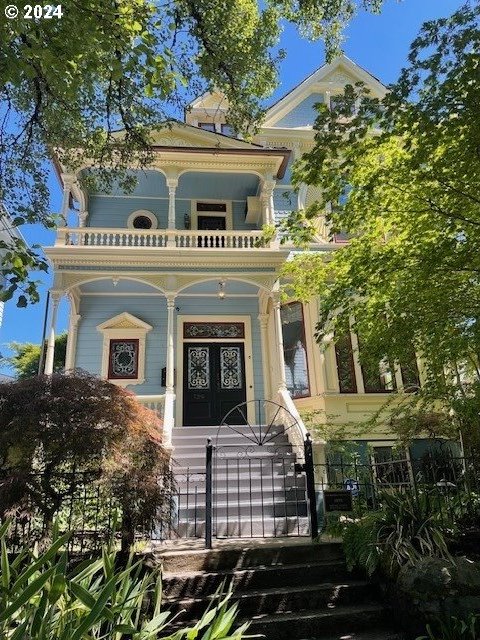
x=75 y=501
x=442 y=478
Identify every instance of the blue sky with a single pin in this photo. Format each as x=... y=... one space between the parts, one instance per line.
x=380 y=44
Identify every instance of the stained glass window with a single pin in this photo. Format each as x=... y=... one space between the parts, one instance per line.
x=123 y=359
x=295 y=350
x=345 y=365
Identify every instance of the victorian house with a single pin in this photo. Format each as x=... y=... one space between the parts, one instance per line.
x=175 y=293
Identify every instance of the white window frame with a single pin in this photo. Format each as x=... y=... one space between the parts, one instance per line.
x=142 y=212
x=124 y=326
x=228 y=215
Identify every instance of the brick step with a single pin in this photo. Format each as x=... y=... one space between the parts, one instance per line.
x=344 y=620
x=190 y=583
x=243 y=555
x=284 y=599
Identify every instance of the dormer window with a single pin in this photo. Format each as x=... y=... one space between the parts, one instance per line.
x=208 y=126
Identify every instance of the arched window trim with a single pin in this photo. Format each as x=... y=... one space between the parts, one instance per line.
x=142 y=212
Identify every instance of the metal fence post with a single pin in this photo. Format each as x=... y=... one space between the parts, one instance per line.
x=310 y=478
x=208 y=495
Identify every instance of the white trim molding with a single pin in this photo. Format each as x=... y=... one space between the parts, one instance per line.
x=124 y=326
x=142 y=212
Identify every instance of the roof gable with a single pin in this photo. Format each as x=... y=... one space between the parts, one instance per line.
x=329 y=77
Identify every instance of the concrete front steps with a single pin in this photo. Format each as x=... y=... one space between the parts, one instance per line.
x=256 y=490
x=287 y=589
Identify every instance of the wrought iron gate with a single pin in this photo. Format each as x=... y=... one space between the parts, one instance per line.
x=259 y=475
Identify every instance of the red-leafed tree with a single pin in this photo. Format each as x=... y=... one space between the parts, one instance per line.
x=57 y=429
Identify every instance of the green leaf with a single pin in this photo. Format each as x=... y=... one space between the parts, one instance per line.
x=96 y=612
x=32 y=589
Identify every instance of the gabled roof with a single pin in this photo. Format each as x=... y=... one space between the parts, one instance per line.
x=210 y=100
x=333 y=75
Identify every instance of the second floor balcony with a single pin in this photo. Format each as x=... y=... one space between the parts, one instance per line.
x=86 y=237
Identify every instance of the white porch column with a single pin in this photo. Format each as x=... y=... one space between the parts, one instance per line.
x=168 y=416
x=82 y=218
x=267 y=201
x=72 y=340
x=68 y=181
x=172 y=187
x=55 y=298
x=282 y=381
x=263 y=319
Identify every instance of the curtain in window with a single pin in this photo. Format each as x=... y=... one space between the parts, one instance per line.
x=295 y=350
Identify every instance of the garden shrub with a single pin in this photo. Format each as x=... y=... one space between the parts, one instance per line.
x=407 y=526
x=54 y=428
x=453 y=628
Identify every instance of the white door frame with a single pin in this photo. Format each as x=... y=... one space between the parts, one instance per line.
x=246 y=341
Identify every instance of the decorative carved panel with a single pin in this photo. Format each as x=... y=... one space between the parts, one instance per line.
x=213 y=330
x=230 y=368
x=123 y=359
x=198 y=367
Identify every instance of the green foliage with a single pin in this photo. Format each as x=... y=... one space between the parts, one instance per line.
x=453 y=629
x=406 y=527
x=42 y=597
x=403 y=174
x=71 y=84
x=26 y=357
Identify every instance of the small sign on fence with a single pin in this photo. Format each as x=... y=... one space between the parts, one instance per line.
x=337 y=501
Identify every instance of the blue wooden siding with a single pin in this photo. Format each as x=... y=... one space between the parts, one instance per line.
x=104 y=211
x=114 y=210
x=303 y=115
x=217 y=186
x=149 y=183
x=95 y=310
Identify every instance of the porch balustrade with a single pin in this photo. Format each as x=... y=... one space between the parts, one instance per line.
x=160 y=238
x=155 y=403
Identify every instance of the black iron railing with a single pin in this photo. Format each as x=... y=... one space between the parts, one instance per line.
x=444 y=479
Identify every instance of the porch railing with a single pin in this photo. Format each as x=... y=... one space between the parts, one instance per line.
x=155 y=403
x=160 y=238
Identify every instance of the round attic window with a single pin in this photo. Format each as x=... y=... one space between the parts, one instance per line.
x=142 y=219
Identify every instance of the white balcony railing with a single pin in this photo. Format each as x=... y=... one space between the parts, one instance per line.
x=159 y=238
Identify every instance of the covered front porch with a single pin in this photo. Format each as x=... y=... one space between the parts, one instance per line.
x=207 y=341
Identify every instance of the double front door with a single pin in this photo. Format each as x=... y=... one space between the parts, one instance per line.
x=214 y=382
